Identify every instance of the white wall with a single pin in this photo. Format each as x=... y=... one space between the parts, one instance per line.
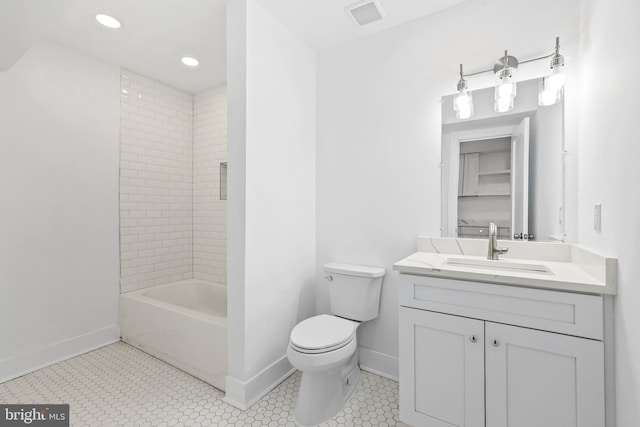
x=23 y=23
x=156 y=188
x=272 y=178
x=236 y=197
x=609 y=172
x=209 y=211
x=379 y=134
x=59 y=121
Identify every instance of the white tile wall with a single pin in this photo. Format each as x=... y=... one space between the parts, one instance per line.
x=156 y=150
x=209 y=212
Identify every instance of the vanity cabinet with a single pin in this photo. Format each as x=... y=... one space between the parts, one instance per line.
x=477 y=354
x=535 y=378
x=441 y=369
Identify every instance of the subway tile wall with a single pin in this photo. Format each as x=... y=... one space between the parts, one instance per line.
x=156 y=174
x=209 y=212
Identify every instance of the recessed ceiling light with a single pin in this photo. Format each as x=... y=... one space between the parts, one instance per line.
x=108 y=21
x=189 y=61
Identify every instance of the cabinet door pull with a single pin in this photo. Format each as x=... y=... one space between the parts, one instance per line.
x=495 y=342
x=473 y=338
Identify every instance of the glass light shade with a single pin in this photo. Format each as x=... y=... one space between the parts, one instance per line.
x=505 y=94
x=555 y=81
x=548 y=94
x=505 y=89
x=504 y=104
x=549 y=97
x=463 y=104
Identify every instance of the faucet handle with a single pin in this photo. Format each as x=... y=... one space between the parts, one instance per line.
x=501 y=250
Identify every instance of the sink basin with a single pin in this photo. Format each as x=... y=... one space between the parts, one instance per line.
x=500 y=265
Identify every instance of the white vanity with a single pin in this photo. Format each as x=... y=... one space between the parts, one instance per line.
x=524 y=341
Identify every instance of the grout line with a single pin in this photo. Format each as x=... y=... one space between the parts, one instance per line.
x=193 y=171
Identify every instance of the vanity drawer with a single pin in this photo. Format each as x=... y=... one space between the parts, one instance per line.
x=562 y=312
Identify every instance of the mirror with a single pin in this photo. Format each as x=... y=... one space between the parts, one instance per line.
x=506 y=168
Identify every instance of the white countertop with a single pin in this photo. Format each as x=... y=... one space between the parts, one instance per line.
x=570 y=267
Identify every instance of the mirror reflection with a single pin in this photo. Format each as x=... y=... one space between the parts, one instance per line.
x=504 y=168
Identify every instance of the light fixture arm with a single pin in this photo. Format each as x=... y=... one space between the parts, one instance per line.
x=558 y=60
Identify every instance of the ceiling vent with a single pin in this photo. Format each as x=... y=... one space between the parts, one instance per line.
x=365 y=12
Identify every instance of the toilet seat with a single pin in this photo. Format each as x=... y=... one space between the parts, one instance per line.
x=322 y=334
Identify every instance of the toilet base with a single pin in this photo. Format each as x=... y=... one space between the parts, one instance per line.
x=322 y=395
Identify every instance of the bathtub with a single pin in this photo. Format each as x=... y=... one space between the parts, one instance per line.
x=182 y=323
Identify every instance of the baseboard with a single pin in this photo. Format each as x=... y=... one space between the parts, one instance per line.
x=25 y=363
x=382 y=364
x=243 y=394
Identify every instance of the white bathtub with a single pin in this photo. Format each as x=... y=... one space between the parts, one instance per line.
x=183 y=323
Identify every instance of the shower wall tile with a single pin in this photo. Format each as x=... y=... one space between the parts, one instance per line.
x=209 y=212
x=156 y=183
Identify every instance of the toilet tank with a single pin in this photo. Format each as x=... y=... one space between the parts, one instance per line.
x=354 y=290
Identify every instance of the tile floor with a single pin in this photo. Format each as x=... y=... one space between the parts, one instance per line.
x=119 y=385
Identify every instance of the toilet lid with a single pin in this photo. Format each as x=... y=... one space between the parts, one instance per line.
x=323 y=332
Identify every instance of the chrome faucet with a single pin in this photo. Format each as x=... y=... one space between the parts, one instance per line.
x=494 y=250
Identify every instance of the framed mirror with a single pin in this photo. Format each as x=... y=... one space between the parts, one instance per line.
x=506 y=168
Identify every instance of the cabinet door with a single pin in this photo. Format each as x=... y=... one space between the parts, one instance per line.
x=536 y=378
x=441 y=369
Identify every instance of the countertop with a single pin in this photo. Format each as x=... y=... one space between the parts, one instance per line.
x=570 y=267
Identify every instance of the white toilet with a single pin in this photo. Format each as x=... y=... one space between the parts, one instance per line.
x=324 y=347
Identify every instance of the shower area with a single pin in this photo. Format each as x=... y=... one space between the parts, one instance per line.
x=173 y=151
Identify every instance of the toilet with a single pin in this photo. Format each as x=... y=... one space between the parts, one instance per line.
x=325 y=348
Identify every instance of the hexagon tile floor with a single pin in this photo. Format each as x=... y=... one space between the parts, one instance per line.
x=119 y=385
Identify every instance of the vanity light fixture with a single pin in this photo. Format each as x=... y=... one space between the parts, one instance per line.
x=505 y=92
x=463 y=101
x=551 y=86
